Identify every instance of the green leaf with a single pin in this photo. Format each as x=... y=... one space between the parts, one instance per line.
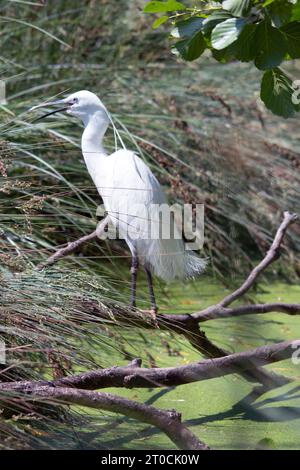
x=237 y=7
x=158 y=7
x=277 y=93
x=191 y=49
x=292 y=35
x=296 y=12
x=159 y=21
x=223 y=56
x=227 y=32
x=244 y=48
x=187 y=28
x=271 y=46
x=280 y=12
x=214 y=19
x=268 y=2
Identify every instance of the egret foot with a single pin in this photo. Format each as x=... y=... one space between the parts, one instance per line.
x=153 y=314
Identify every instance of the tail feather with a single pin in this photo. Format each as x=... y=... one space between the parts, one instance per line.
x=169 y=259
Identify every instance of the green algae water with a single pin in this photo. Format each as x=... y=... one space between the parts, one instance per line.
x=224 y=412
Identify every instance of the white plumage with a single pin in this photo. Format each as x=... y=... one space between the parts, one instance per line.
x=132 y=196
x=131 y=193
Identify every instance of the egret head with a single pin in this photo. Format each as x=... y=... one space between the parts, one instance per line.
x=82 y=104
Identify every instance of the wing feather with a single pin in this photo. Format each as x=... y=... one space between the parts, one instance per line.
x=134 y=189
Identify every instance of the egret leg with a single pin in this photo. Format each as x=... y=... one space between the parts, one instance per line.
x=154 y=308
x=134 y=270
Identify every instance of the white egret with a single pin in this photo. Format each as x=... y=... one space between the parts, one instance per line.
x=132 y=197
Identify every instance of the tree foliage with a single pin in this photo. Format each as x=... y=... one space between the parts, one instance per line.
x=266 y=33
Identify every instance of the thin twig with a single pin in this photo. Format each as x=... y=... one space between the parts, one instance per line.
x=289 y=309
x=270 y=257
x=73 y=246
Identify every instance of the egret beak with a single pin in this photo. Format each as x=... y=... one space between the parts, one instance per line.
x=50 y=103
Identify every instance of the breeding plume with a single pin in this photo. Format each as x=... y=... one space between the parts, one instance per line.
x=132 y=197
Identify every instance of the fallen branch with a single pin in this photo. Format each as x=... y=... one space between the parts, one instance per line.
x=167 y=421
x=135 y=376
x=79 y=389
x=184 y=325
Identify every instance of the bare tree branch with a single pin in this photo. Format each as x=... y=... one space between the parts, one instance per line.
x=184 y=325
x=271 y=256
x=167 y=421
x=289 y=309
x=181 y=322
x=134 y=376
x=73 y=246
x=79 y=389
x=188 y=324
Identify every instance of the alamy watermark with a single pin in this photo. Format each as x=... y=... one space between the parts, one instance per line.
x=3 y=92
x=296 y=93
x=296 y=354
x=156 y=221
x=2 y=351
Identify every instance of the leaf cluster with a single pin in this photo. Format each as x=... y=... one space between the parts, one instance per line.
x=264 y=33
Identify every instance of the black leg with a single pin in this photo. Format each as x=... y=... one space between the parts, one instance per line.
x=151 y=290
x=134 y=270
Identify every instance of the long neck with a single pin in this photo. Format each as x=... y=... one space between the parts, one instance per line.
x=95 y=128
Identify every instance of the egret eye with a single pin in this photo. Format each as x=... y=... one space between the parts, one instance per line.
x=73 y=101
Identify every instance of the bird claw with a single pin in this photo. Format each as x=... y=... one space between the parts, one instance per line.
x=153 y=314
